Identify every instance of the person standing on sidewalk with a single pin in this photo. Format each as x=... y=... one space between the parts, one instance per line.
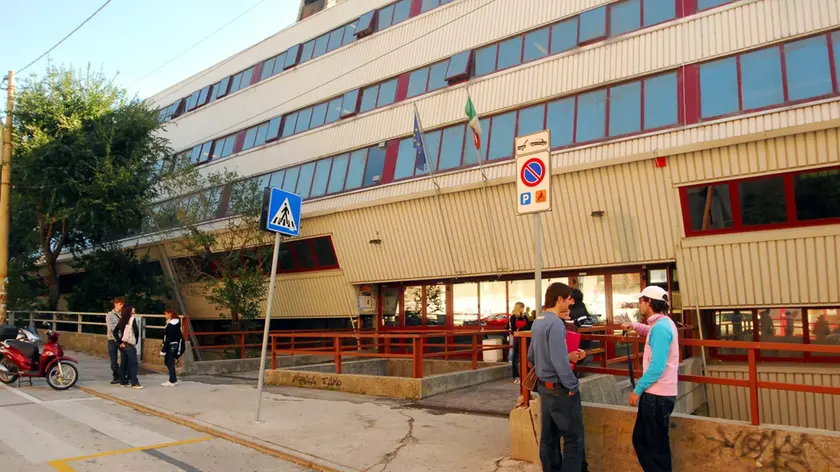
x=656 y=392
x=172 y=346
x=560 y=408
x=111 y=321
x=128 y=332
x=518 y=322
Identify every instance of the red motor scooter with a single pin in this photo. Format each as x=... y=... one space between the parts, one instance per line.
x=22 y=359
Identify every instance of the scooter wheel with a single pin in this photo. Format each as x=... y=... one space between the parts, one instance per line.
x=57 y=381
x=8 y=378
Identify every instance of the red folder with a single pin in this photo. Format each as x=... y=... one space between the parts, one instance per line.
x=572 y=343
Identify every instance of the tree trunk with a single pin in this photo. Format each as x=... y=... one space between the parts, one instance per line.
x=52 y=284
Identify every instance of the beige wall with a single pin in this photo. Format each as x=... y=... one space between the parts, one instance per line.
x=779 y=407
x=779 y=267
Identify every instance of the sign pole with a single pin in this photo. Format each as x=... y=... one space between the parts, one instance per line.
x=267 y=327
x=538 y=264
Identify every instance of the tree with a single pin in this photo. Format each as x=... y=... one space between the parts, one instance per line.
x=112 y=272
x=85 y=164
x=232 y=261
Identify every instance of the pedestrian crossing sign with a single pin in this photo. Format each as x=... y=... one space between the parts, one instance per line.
x=283 y=214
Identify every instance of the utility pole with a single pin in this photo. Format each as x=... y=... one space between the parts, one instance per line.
x=5 y=196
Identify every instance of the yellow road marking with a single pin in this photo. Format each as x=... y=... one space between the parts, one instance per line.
x=61 y=464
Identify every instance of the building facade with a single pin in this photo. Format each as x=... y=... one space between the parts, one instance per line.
x=695 y=145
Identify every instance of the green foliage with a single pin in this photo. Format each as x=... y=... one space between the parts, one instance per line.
x=85 y=164
x=26 y=289
x=231 y=262
x=110 y=273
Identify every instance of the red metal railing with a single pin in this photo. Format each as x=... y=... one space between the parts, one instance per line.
x=752 y=383
x=392 y=345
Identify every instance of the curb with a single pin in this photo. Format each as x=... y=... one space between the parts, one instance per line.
x=264 y=447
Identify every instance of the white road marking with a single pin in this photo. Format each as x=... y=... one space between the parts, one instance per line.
x=119 y=429
x=22 y=394
x=34 y=444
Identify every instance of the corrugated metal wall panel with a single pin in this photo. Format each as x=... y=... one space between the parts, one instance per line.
x=771 y=155
x=807 y=410
x=316 y=295
x=777 y=268
x=608 y=61
x=450 y=234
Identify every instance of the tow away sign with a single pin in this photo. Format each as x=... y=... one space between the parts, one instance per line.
x=533 y=173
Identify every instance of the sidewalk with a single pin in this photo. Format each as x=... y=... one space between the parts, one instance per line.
x=346 y=432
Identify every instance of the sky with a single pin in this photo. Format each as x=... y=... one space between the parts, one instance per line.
x=129 y=39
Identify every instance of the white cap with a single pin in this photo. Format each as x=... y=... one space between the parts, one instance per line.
x=654 y=292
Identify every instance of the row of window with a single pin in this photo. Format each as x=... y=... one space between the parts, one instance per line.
x=650 y=103
x=791 y=325
x=367 y=24
x=632 y=14
x=791 y=72
x=593 y=25
x=776 y=201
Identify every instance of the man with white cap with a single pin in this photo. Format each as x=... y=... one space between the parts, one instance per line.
x=656 y=392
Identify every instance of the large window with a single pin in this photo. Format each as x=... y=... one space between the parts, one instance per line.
x=465 y=304
x=304 y=255
x=626 y=16
x=807 y=75
x=784 y=200
x=593 y=25
x=501 y=136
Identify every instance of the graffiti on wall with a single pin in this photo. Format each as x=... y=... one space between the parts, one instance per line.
x=773 y=451
x=312 y=381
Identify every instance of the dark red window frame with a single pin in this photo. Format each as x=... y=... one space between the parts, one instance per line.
x=786 y=102
x=735 y=203
x=308 y=245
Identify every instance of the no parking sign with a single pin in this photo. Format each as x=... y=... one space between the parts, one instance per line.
x=533 y=171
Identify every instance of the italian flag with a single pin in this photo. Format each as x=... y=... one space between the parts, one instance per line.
x=474 y=123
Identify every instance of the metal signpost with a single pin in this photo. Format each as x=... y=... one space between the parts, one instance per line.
x=280 y=215
x=533 y=190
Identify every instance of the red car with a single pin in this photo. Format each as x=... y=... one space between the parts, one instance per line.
x=497 y=321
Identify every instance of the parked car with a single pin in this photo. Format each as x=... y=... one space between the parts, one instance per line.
x=497 y=321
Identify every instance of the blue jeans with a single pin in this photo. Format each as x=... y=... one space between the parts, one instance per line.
x=113 y=350
x=650 y=435
x=562 y=416
x=128 y=365
x=169 y=360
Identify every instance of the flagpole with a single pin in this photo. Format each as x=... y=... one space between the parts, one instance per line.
x=425 y=149
x=478 y=150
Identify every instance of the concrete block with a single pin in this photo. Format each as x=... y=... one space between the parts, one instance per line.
x=600 y=388
x=697 y=444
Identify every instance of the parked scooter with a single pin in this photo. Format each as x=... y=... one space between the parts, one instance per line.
x=19 y=358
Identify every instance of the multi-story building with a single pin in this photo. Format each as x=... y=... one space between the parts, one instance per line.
x=695 y=144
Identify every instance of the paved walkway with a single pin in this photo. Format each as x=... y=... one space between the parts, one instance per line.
x=341 y=431
x=45 y=430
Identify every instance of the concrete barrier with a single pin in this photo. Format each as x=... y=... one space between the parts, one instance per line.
x=389 y=377
x=230 y=366
x=698 y=444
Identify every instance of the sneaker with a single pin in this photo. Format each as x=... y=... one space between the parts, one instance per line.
x=123 y=384
x=167 y=384
x=115 y=382
x=516 y=381
x=137 y=387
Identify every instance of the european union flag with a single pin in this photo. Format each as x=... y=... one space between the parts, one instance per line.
x=420 y=162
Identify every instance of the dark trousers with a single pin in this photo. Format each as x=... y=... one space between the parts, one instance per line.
x=650 y=435
x=562 y=416
x=514 y=359
x=128 y=365
x=113 y=354
x=170 y=360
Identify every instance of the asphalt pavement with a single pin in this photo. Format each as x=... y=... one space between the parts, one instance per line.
x=46 y=430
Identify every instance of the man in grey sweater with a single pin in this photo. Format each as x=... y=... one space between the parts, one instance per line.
x=111 y=320
x=560 y=408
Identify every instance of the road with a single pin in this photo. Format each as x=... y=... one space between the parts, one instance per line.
x=45 y=430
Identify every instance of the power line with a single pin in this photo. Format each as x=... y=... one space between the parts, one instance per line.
x=170 y=61
x=361 y=66
x=65 y=38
